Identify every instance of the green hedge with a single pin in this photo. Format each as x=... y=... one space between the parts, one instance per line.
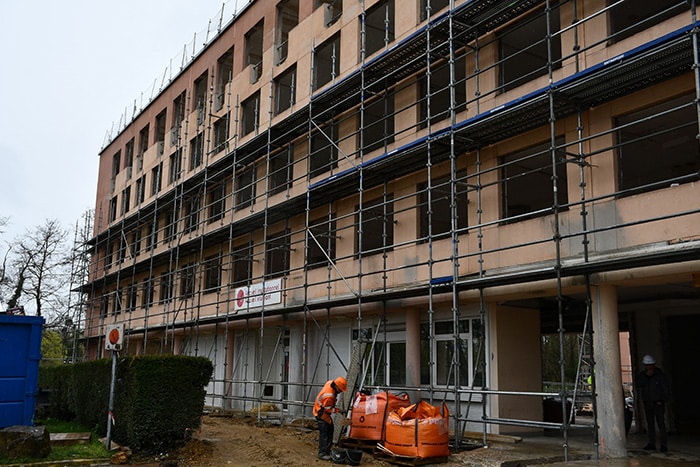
x=158 y=400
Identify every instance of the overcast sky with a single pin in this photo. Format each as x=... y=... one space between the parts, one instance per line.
x=69 y=71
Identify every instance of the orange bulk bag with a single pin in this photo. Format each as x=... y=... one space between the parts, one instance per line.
x=369 y=412
x=420 y=430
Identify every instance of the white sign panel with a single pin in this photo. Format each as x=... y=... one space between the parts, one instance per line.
x=255 y=296
x=114 y=336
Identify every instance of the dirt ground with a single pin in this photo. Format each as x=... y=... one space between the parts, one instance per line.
x=237 y=441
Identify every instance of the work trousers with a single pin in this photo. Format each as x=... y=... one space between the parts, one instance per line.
x=655 y=411
x=325 y=437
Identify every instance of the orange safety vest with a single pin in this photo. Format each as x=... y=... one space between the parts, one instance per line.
x=325 y=402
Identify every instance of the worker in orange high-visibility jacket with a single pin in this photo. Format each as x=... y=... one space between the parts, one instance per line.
x=323 y=408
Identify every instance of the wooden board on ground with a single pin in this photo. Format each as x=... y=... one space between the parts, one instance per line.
x=69 y=439
x=492 y=437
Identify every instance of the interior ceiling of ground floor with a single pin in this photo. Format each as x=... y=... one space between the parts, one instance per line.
x=630 y=299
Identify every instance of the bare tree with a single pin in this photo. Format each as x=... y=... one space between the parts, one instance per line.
x=41 y=261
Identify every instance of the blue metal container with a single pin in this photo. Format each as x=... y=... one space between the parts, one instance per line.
x=20 y=352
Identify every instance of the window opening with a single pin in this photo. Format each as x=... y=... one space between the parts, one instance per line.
x=287 y=19
x=378 y=126
x=175 y=166
x=440 y=204
x=280 y=170
x=200 y=97
x=630 y=18
x=658 y=146
x=277 y=254
x=435 y=6
x=250 y=114
x=254 y=51
x=322 y=245
x=221 y=133
x=327 y=62
x=177 y=117
x=197 y=151
x=323 y=154
x=527 y=181
x=224 y=75
x=379 y=27
x=524 y=50
x=285 y=85
x=439 y=97
x=377 y=226
x=245 y=187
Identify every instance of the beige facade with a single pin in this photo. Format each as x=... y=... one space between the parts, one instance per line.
x=429 y=179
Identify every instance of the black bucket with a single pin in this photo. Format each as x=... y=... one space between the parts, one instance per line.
x=339 y=456
x=354 y=456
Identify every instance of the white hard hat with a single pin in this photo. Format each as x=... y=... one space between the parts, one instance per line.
x=648 y=360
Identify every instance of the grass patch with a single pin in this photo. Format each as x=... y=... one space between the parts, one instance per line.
x=93 y=450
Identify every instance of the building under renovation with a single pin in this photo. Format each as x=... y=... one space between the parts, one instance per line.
x=453 y=187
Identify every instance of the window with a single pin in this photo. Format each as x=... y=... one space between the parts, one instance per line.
x=123 y=248
x=242 y=265
x=151 y=235
x=523 y=49
x=285 y=90
x=224 y=76
x=527 y=181
x=143 y=142
x=323 y=155
x=287 y=19
x=277 y=254
x=245 y=187
x=333 y=10
x=160 y=126
x=254 y=50
x=175 y=166
x=438 y=99
x=197 y=151
x=431 y=7
x=216 y=201
x=376 y=226
x=250 y=118
x=379 y=27
x=104 y=306
x=658 y=146
x=221 y=133
x=321 y=241
x=377 y=129
x=136 y=241
x=131 y=298
x=469 y=354
x=117 y=302
x=170 y=226
x=166 y=287
x=439 y=223
x=108 y=254
x=200 y=97
x=187 y=277
x=155 y=178
x=113 y=209
x=192 y=212
x=212 y=273
x=178 y=117
x=395 y=354
x=140 y=190
x=147 y=293
x=326 y=62
x=129 y=156
x=116 y=164
x=280 y=167
x=126 y=200
x=629 y=18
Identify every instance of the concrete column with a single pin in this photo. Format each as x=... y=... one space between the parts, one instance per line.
x=413 y=353
x=608 y=376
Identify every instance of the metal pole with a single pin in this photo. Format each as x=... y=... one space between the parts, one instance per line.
x=110 y=416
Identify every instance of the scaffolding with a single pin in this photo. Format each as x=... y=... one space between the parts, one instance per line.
x=292 y=219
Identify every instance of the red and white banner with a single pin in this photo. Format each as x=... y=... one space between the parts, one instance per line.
x=255 y=296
